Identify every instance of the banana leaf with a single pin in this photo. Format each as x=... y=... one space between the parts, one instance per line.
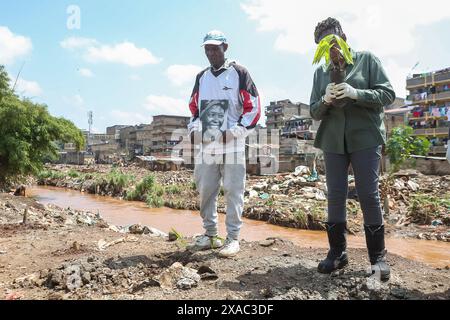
x=323 y=49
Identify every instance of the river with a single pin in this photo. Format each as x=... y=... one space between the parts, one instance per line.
x=122 y=213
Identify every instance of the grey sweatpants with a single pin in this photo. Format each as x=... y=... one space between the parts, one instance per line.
x=208 y=176
x=365 y=164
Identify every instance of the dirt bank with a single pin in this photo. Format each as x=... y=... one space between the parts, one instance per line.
x=68 y=254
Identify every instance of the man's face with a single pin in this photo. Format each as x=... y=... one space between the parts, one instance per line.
x=216 y=54
x=215 y=117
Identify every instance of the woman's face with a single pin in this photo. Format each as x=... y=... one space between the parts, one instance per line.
x=215 y=117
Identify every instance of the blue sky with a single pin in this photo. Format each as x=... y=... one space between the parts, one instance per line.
x=131 y=60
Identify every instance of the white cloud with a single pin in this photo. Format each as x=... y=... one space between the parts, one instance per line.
x=12 y=46
x=77 y=42
x=158 y=105
x=87 y=73
x=383 y=26
x=182 y=74
x=28 y=88
x=125 y=53
x=130 y=118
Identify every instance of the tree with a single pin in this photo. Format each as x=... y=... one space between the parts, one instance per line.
x=402 y=144
x=28 y=134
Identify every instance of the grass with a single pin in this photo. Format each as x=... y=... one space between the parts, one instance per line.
x=424 y=208
x=142 y=189
x=50 y=174
x=174 y=189
x=73 y=174
x=149 y=191
x=310 y=219
x=302 y=218
x=118 y=179
x=154 y=201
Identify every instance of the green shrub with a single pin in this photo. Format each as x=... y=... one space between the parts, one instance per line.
x=73 y=174
x=175 y=189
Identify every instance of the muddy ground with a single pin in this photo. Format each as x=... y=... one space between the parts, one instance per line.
x=419 y=205
x=67 y=254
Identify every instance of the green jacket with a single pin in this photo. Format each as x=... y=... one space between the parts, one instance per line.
x=359 y=125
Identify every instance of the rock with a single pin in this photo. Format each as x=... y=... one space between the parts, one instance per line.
x=76 y=246
x=114 y=228
x=413 y=186
x=275 y=188
x=144 y=284
x=309 y=195
x=260 y=186
x=302 y=170
x=186 y=283
x=178 y=276
x=20 y=191
x=136 y=229
x=320 y=195
x=157 y=233
x=206 y=273
x=173 y=236
x=30 y=280
x=86 y=277
x=253 y=194
x=267 y=243
x=73 y=280
x=399 y=293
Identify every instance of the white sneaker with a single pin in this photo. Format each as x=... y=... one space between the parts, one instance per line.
x=205 y=242
x=230 y=249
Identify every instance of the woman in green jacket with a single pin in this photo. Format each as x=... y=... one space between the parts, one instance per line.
x=351 y=132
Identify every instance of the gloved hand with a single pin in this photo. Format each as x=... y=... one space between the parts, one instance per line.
x=329 y=93
x=194 y=133
x=239 y=132
x=344 y=90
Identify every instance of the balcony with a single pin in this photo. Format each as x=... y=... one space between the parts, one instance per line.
x=431 y=79
x=430 y=98
x=438 y=150
x=432 y=132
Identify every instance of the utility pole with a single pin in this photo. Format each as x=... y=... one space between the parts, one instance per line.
x=18 y=75
x=90 y=122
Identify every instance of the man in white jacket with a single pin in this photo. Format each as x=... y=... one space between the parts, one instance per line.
x=225 y=108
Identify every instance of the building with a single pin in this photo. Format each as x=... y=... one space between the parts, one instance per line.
x=396 y=118
x=140 y=139
x=398 y=103
x=429 y=95
x=166 y=133
x=278 y=112
x=115 y=129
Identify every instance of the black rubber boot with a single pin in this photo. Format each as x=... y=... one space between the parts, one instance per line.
x=377 y=251
x=337 y=257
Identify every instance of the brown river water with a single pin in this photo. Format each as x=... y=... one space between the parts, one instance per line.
x=123 y=213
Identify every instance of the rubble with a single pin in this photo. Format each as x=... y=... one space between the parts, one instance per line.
x=178 y=276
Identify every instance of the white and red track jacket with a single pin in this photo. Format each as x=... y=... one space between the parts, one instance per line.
x=233 y=86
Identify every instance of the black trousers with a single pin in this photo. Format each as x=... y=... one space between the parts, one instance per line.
x=365 y=164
